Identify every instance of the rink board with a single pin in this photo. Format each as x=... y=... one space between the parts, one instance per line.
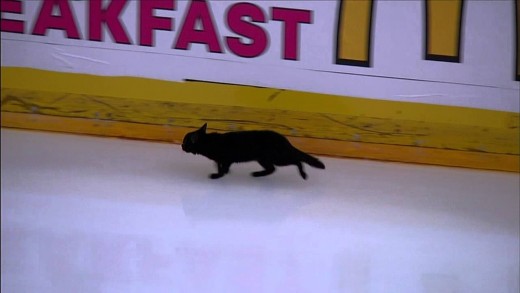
x=318 y=123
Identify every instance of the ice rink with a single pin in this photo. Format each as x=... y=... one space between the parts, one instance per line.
x=89 y=214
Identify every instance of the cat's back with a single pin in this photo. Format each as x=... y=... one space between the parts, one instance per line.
x=256 y=136
x=243 y=146
x=252 y=140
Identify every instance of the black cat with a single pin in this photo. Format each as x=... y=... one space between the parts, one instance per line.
x=268 y=148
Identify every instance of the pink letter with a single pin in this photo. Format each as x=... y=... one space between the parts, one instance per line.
x=10 y=25
x=65 y=21
x=110 y=16
x=255 y=33
x=291 y=18
x=149 y=22
x=198 y=11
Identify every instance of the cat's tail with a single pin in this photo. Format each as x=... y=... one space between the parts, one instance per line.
x=312 y=161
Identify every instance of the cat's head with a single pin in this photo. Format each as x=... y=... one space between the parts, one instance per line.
x=192 y=140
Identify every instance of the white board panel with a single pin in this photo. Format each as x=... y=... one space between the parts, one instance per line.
x=485 y=77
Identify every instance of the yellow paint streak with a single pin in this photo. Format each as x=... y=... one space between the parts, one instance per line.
x=354 y=36
x=443 y=27
x=476 y=160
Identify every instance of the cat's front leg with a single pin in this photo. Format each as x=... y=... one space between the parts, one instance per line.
x=222 y=169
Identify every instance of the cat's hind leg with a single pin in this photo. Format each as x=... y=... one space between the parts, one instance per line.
x=222 y=169
x=268 y=169
x=300 y=168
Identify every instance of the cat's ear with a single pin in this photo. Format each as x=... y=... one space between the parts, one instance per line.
x=203 y=128
x=195 y=136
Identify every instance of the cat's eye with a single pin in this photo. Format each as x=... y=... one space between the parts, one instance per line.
x=194 y=138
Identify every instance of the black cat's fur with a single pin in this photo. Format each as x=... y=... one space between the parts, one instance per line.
x=268 y=148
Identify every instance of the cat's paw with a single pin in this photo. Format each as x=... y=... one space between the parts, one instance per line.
x=215 y=175
x=261 y=173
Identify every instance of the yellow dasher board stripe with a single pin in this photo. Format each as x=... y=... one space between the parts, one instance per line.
x=323 y=121
x=247 y=96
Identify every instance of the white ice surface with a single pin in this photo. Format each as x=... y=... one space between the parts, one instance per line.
x=86 y=214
